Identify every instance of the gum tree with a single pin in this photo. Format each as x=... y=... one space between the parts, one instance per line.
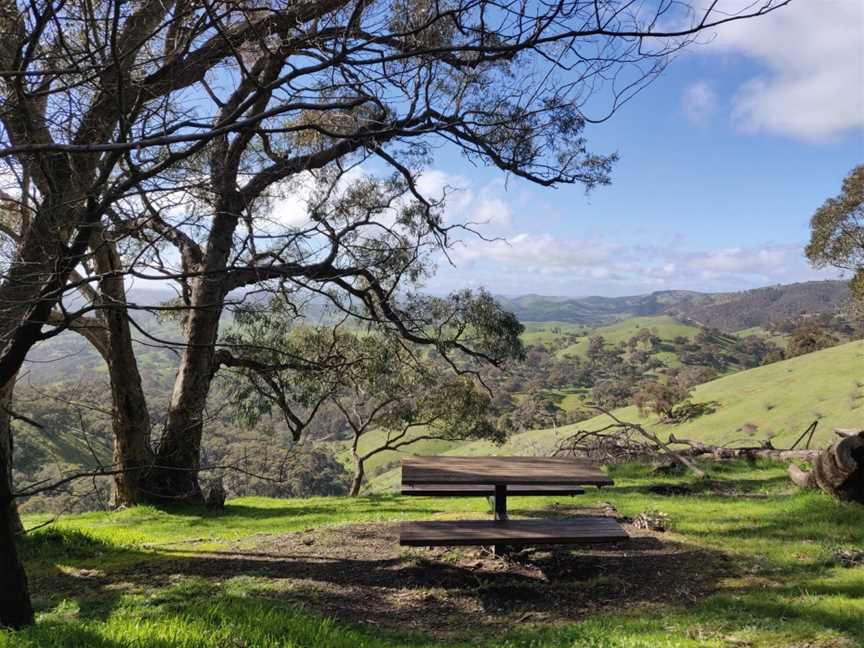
x=377 y=380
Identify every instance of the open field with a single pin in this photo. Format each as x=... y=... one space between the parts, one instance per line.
x=780 y=399
x=748 y=562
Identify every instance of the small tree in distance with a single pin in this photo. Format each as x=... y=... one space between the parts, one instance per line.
x=661 y=397
x=837 y=232
x=377 y=381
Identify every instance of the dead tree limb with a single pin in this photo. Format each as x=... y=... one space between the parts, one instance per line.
x=617 y=438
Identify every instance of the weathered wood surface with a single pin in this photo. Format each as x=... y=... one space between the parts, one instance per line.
x=837 y=470
x=486 y=490
x=550 y=471
x=511 y=532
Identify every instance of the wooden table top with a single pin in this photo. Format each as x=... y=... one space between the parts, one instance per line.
x=502 y=470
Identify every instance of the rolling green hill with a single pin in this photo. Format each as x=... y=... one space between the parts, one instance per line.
x=549 y=333
x=780 y=400
x=592 y=311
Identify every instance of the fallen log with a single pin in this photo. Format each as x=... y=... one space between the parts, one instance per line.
x=837 y=470
x=764 y=451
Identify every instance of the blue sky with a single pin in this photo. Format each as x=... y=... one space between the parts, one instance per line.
x=723 y=161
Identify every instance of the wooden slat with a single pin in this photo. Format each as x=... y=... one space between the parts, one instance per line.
x=485 y=490
x=511 y=532
x=552 y=471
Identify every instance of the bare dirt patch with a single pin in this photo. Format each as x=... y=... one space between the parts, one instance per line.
x=359 y=573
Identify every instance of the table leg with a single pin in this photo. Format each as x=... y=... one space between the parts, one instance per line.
x=500 y=513
x=501 y=501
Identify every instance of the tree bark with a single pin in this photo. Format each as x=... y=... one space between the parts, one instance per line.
x=837 y=470
x=178 y=457
x=359 y=474
x=129 y=412
x=6 y=433
x=16 y=611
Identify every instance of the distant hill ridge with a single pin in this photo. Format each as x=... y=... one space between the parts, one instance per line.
x=730 y=311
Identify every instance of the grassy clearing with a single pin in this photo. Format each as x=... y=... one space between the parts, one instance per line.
x=780 y=339
x=783 y=586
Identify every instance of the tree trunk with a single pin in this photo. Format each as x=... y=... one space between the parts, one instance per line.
x=23 y=308
x=359 y=473
x=178 y=457
x=838 y=470
x=129 y=413
x=6 y=433
x=16 y=610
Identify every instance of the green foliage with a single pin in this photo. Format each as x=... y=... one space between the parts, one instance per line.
x=661 y=397
x=837 y=231
x=374 y=378
x=798 y=389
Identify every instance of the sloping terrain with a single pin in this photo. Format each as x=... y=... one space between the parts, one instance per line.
x=763 y=306
x=666 y=327
x=592 y=311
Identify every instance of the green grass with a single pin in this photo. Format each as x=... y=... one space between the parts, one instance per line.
x=667 y=328
x=783 y=587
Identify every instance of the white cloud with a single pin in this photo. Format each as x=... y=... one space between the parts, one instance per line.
x=812 y=56
x=543 y=263
x=538 y=252
x=290 y=208
x=464 y=203
x=699 y=102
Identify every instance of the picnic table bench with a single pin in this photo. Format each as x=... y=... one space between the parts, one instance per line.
x=498 y=477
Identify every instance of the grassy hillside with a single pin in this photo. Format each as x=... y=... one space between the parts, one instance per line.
x=762 y=306
x=749 y=561
x=780 y=399
x=551 y=335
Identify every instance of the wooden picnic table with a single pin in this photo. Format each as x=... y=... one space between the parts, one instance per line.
x=459 y=475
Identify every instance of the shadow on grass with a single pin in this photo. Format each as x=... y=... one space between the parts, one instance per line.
x=743 y=488
x=334 y=507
